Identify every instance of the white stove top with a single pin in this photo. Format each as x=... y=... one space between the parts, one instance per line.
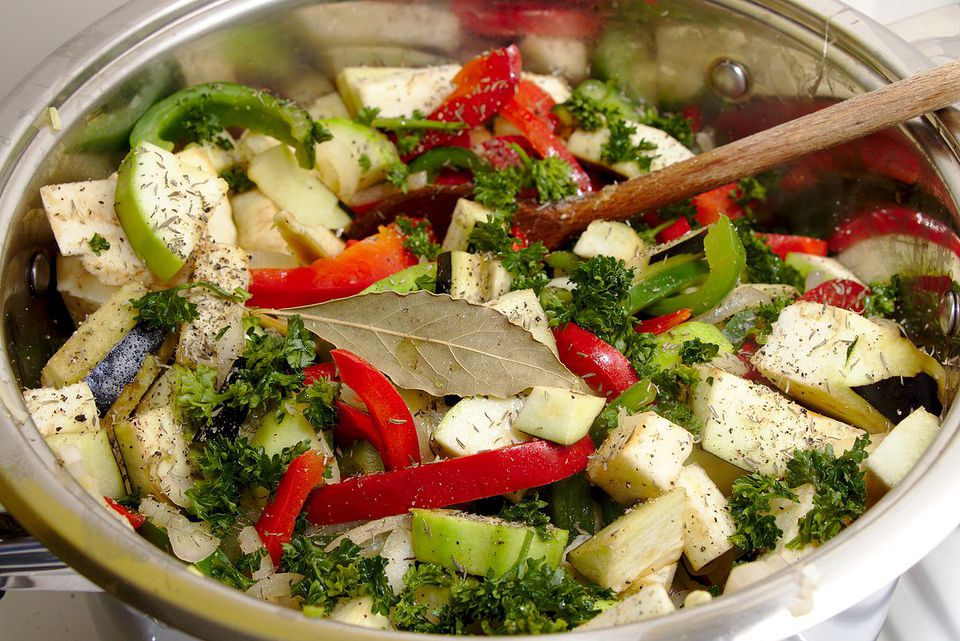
x=924 y=605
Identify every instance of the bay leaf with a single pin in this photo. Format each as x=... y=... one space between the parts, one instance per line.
x=437 y=344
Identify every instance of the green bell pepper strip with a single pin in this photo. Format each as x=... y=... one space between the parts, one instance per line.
x=572 y=506
x=663 y=279
x=565 y=261
x=444 y=158
x=726 y=257
x=633 y=399
x=223 y=104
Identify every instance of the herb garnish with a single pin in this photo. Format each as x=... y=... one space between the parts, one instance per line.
x=319 y=396
x=498 y=189
x=237 y=179
x=167 y=309
x=98 y=244
x=524 y=262
x=417 y=237
x=696 y=351
x=672 y=388
x=750 y=506
x=204 y=126
x=530 y=512
x=763 y=266
x=883 y=299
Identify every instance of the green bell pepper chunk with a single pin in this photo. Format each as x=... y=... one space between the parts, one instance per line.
x=209 y=108
x=444 y=158
x=406 y=280
x=564 y=261
x=633 y=399
x=663 y=279
x=726 y=257
x=572 y=506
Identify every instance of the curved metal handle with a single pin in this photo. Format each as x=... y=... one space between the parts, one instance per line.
x=25 y=564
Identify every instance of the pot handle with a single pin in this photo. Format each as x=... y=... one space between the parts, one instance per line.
x=25 y=564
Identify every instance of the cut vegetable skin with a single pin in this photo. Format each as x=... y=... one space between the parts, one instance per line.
x=122 y=364
x=902 y=448
x=340 y=163
x=93 y=340
x=396 y=91
x=641 y=458
x=474 y=544
x=559 y=415
x=473 y=277
x=295 y=189
x=465 y=216
x=479 y=424
x=404 y=281
x=850 y=367
x=522 y=307
x=707 y=524
x=646 y=538
x=587 y=145
x=757 y=429
x=164 y=206
x=611 y=238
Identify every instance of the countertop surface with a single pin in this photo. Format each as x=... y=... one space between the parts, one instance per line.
x=924 y=606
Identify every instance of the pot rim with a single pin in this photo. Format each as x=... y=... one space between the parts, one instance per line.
x=46 y=498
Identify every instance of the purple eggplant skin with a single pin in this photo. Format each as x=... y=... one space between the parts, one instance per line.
x=121 y=364
x=897 y=397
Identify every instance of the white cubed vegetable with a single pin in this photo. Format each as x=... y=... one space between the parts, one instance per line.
x=609 y=238
x=902 y=448
x=707 y=523
x=559 y=415
x=479 y=424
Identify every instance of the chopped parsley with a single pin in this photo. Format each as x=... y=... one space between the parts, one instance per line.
x=530 y=512
x=330 y=577
x=750 y=506
x=204 y=126
x=222 y=569
x=320 y=132
x=98 y=244
x=319 y=397
x=397 y=173
x=230 y=467
x=408 y=132
x=673 y=387
x=525 y=263
x=167 y=309
x=498 y=189
x=366 y=115
x=763 y=266
x=696 y=351
x=237 y=180
x=532 y=598
x=620 y=146
x=417 y=237
x=883 y=299
x=755 y=322
x=364 y=162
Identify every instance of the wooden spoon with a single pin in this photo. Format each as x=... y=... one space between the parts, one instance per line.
x=845 y=121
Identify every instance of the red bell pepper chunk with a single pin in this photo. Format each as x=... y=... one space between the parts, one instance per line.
x=356 y=268
x=597 y=362
x=449 y=482
x=664 y=323
x=400 y=446
x=483 y=86
x=501 y=19
x=134 y=518
x=520 y=238
x=839 y=292
x=538 y=102
x=321 y=370
x=541 y=136
x=500 y=151
x=279 y=517
x=713 y=204
x=451 y=177
x=745 y=354
x=783 y=244
x=678 y=228
x=356 y=425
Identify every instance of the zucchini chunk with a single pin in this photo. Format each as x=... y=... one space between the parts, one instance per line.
x=155 y=455
x=902 y=448
x=478 y=424
x=648 y=602
x=850 y=367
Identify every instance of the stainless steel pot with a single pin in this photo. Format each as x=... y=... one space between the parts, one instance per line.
x=735 y=50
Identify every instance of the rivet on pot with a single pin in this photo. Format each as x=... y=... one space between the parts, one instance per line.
x=40 y=274
x=730 y=78
x=949 y=313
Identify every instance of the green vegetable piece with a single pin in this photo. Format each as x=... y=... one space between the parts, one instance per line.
x=359 y=458
x=206 y=109
x=530 y=512
x=663 y=279
x=572 y=506
x=676 y=345
x=634 y=399
x=405 y=281
x=444 y=158
x=480 y=545
x=277 y=433
x=726 y=257
x=219 y=566
x=751 y=510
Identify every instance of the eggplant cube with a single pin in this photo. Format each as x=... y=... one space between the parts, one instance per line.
x=155 y=455
x=707 y=523
x=644 y=539
x=609 y=238
x=559 y=415
x=465 y=217
x=648 y=602
x=68 y=410
x=640 y=458
x=902 y=448
x=849 y=367
x=755 y=428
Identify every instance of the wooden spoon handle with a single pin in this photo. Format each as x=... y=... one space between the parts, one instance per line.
x=845 y=121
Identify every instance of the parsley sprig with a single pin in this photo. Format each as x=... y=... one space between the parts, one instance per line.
x=525 y=263
x=498 y=189
x=98 y=244
x=530 y=512
x=417 y=237
x=167 y=309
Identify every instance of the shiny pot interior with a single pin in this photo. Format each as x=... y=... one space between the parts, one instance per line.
x=745 y=65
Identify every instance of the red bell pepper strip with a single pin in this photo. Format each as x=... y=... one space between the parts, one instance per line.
x=134 y=518
x=839 y=292
x=448 y=482
x=745 y=354
x=677 y=228
x=508 y=19
x=279 y=517
x=356 y=268
x=713 y=204
x=321 y=370
x=538 y=102
x=500 y=151
x=541 y=136
x=783 y=244
x=400 y=446
x=483 y=86
x=661 y=324
x=597 y=362
x=356 y=425
x=893 y=219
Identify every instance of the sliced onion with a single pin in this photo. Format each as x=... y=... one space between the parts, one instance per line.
x=275 y=588
x=398 y=551
x=365 y=535
x=249 y=541
x=190 y=542
x=745 y=297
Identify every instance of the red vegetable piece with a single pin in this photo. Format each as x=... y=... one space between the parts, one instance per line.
x=449 y=482
x=501 y=19
x=783 y=244
x=604 y=369
x=839 y=292
x=745 y=353
x=134 y=518
x=500 y=152
x=893 y=219
x=713 y=204
x=321 y=370
x=279 y=517
x=400 y=446
x=521 y=238
x=356 y=425
x=357 y=267
x=452 y=177
x=679 y=227
x=534 y=99
x=483 y=86
x=664 y=323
